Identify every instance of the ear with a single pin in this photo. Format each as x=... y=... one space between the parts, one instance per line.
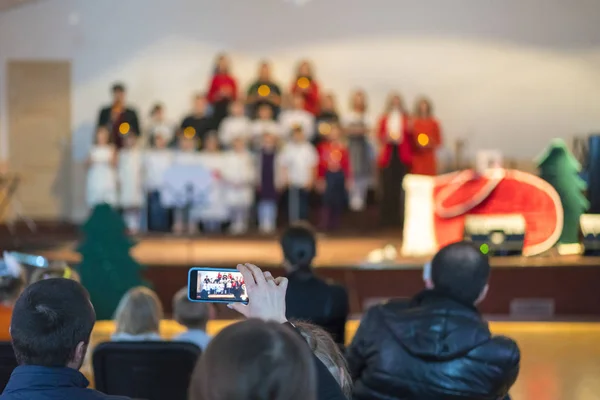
x=483 y=294
x=80 y=352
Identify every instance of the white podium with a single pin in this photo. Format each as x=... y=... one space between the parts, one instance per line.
x=419 y=229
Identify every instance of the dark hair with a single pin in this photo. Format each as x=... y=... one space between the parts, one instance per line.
x=156 y=108
x=270 y=362
x=49 y=320
x=461 y=271
x=420 y=101
x=299 y=245
x=118 y=87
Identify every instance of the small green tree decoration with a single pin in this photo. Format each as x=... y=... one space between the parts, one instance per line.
x=107 y=268
x=560 y=168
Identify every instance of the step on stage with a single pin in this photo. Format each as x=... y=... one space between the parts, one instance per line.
x=524 y=287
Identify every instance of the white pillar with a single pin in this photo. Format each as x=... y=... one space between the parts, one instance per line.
x=419 y=230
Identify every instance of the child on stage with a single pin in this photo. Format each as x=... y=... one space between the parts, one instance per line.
x=240 y=177
x=334 y=178
x=131 y=193
x=426 y=139
x=215 y=212
x=235 y=125
x=268 y=184
x=290 y=118
x=156 y=162
x=186 y=155
x=263 y=124
x=101 y=184
x=223 y=89
x=298 y=162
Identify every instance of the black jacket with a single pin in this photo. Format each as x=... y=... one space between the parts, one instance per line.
x=311 y=299
x=430 y=348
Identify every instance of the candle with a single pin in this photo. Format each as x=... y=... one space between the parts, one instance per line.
x=189 y=132
x=303 y=83
x=124 y=128
x=264 y=90
x=422 y=139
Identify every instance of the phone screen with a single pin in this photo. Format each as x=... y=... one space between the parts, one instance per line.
x=216 y=285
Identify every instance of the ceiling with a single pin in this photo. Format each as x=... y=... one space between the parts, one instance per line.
x=7 y=4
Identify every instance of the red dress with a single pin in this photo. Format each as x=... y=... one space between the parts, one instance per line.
x=426 y=140
x=387 y=142
x=220 y=83
x=311 y=96
x=333 y=157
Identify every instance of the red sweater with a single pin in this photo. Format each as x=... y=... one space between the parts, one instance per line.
x=218 y=83
x=333 y=157
x=386 y=142
x=311 y=96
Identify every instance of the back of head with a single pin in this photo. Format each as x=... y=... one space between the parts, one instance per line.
x=255 y=360
x=50 y=319
x=191 y=314
x=322 y=345
x=460 y=271
x=299 y=246
x=139 y=312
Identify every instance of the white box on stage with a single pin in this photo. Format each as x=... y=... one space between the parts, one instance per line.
x=185 y=185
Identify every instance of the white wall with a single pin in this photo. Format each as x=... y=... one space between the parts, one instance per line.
x=504 y=74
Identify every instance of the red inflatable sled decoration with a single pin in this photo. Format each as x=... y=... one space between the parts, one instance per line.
x=498 y=192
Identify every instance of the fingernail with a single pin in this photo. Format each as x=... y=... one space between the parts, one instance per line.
x=229 y=305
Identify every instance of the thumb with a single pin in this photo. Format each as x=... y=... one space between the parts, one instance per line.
x=282 y=283
x=239 y=307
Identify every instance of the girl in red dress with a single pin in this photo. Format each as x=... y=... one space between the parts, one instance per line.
x=223 y=89
x=394 y=134
x=306 y=85
x=426 y=139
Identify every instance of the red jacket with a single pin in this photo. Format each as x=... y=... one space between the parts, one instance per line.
x=311 y=96
x=386 y=143
x=219 y=82
x=333 y=157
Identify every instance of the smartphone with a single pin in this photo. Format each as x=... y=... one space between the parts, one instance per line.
x=216 y=285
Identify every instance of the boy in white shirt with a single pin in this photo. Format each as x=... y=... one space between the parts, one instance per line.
x=297 y=116
x=235 y=125
x=298 y=161
x=156 y=162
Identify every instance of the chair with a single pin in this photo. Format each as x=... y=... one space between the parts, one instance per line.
x=145 y=370
x=8 y=362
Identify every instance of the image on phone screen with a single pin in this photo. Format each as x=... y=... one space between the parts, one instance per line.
x=217 y=285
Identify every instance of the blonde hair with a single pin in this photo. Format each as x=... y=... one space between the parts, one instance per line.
x=139 y=312
x=325 y=349
x=390 y=101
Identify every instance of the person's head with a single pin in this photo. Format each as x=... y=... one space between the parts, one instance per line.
x=192 y=315
x=304 y=69
x=322 y=345
x=264 y=72
x=199 y=104
x=102 y=136
x=160 y=138
x=269 y=361
x=298 y=135
x=359 y=101
x=298 y=102
x=51 y=324
x=129 y=140
x=222 y=64
x=12 y=279
x=265 y=112
x=335 y=132
x=460 y=271
x=157 y=112
x=328 y=102
x=55 y=271
x=239 y=144
x=118 y=93
x=211 y=142
x=299 y=247
x=423 y=108
x=187 y=140
x=236 y=108
x=139 y=312
x=269 y=141
x=394 y=103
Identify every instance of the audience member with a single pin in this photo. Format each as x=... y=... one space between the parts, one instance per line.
x=310 y=298
x=235 y=125
x=240 y=178
x=12 y=281
x=358 y=125
x=214 y=211
x=138 y=316
x=118 y=118
x=295 y=117
x=58 y=270
x=426 y=139
x=101 y=184
x=51 y=327
x=198 y=123
x=131 y=184
x=298 y=162
x=437 y=345
x=306 y=85
x=264 y=91
x=328 y=115
x=330 y=354
x=223 y=89
x=394 y=134
x=194 y=316
x=157 y=161
x=268 y=183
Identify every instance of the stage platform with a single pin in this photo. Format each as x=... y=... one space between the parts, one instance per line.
x=566 y=285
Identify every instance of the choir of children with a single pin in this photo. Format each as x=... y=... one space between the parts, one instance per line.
x=263 y=150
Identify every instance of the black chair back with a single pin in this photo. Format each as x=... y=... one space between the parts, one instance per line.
x=8 y=362
x=145 y=370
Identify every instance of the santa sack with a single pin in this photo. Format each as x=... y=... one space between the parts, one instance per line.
x=498 y=192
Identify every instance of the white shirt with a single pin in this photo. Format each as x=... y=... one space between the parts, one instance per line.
x=290 y=118
x=186 y=158
x=355 y=118
x=156 y=162
x=299 y=160
x=232 y=128
x=394 y=123
x=259 y=127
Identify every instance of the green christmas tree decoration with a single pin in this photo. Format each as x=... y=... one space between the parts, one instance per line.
x=107 y=269
x=559 y=167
